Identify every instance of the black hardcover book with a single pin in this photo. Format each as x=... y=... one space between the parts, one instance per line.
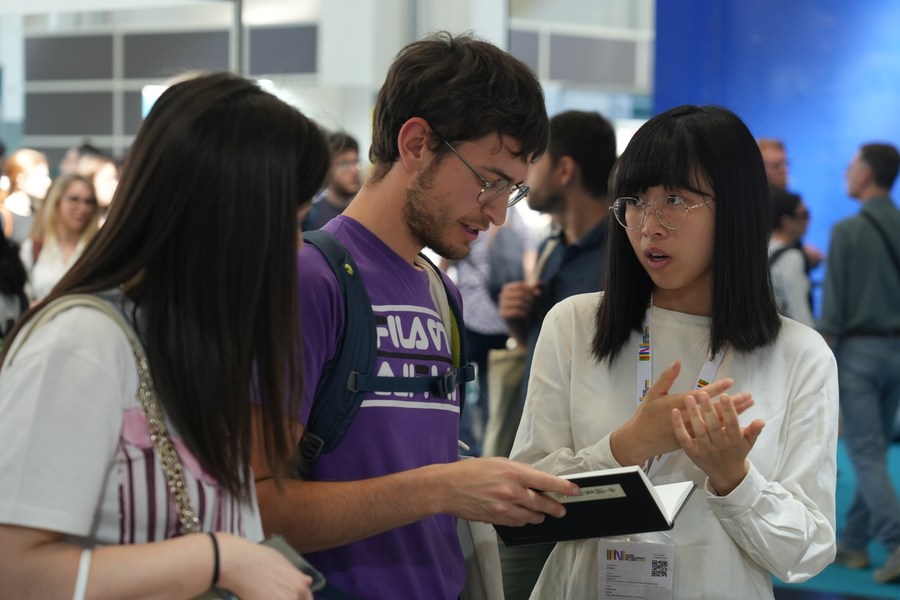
x=612 y=502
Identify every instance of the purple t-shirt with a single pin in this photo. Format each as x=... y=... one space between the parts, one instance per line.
x=392 y=432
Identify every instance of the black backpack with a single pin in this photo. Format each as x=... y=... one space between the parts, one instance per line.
x=339 y=393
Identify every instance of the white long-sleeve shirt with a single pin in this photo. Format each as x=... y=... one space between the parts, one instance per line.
x=791 y=284
x=779 y=520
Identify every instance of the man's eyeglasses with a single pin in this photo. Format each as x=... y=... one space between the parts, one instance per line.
x=494 y=189
x=346 y=164
x=672 y=211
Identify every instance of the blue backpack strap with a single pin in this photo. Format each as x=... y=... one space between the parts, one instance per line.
x=440 y=386
x=339 y=392
x=336 y=401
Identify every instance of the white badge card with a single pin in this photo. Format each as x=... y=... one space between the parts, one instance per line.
x=638 y=567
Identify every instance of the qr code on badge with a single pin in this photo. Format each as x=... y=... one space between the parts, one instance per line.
x=659 y=568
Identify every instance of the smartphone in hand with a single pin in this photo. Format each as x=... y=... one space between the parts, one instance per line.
x=280 y=544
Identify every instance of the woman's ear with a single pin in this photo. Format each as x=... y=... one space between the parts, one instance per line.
x=20 y=180
x=412 y=143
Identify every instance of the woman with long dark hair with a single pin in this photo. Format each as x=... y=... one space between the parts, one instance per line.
x=689 y=305
x=199 y=257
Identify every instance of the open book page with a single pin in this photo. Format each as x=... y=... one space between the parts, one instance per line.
x=672 y=495
x=599 y=491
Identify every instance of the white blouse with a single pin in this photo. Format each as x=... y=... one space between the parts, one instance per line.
x=778 y=521
x=49 y=268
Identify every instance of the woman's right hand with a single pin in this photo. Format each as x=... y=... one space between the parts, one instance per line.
x=253 y=571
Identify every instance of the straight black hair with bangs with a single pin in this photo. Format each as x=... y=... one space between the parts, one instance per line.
x=696 y=148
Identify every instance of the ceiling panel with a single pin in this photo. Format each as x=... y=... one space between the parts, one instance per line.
x=37 y=7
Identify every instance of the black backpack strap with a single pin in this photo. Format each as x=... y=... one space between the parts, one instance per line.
x=440 y=386
x=777 y=254
x=328 y=419
x=884 y=238
x=773 y=258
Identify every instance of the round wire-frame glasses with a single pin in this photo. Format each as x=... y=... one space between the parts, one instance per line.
x=631 y=211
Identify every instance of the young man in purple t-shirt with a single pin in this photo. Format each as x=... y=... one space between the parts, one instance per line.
x=456 y=124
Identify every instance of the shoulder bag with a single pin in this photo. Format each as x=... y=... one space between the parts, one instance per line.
x=159 y=434
x=885 y=239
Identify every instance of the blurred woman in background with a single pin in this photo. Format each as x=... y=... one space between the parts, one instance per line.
x=66 y=223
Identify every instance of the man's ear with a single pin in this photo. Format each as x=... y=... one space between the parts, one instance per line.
x=412 y=143
x=565 y=170
x=868 y=175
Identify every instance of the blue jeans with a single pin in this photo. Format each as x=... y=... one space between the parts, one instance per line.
x=869 y=380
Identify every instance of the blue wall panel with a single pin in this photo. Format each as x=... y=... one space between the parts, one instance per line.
x=823 y=75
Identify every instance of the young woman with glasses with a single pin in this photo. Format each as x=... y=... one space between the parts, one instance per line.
x=689 y=305
x=67 y=221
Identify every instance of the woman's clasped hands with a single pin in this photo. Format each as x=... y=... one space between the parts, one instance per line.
x=703 y=423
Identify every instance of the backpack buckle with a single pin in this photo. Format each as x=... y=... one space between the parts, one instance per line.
x=310 y=447
x=445 y=385
x=351 y=381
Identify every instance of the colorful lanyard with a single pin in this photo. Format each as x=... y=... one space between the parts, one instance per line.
x=645 y=376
